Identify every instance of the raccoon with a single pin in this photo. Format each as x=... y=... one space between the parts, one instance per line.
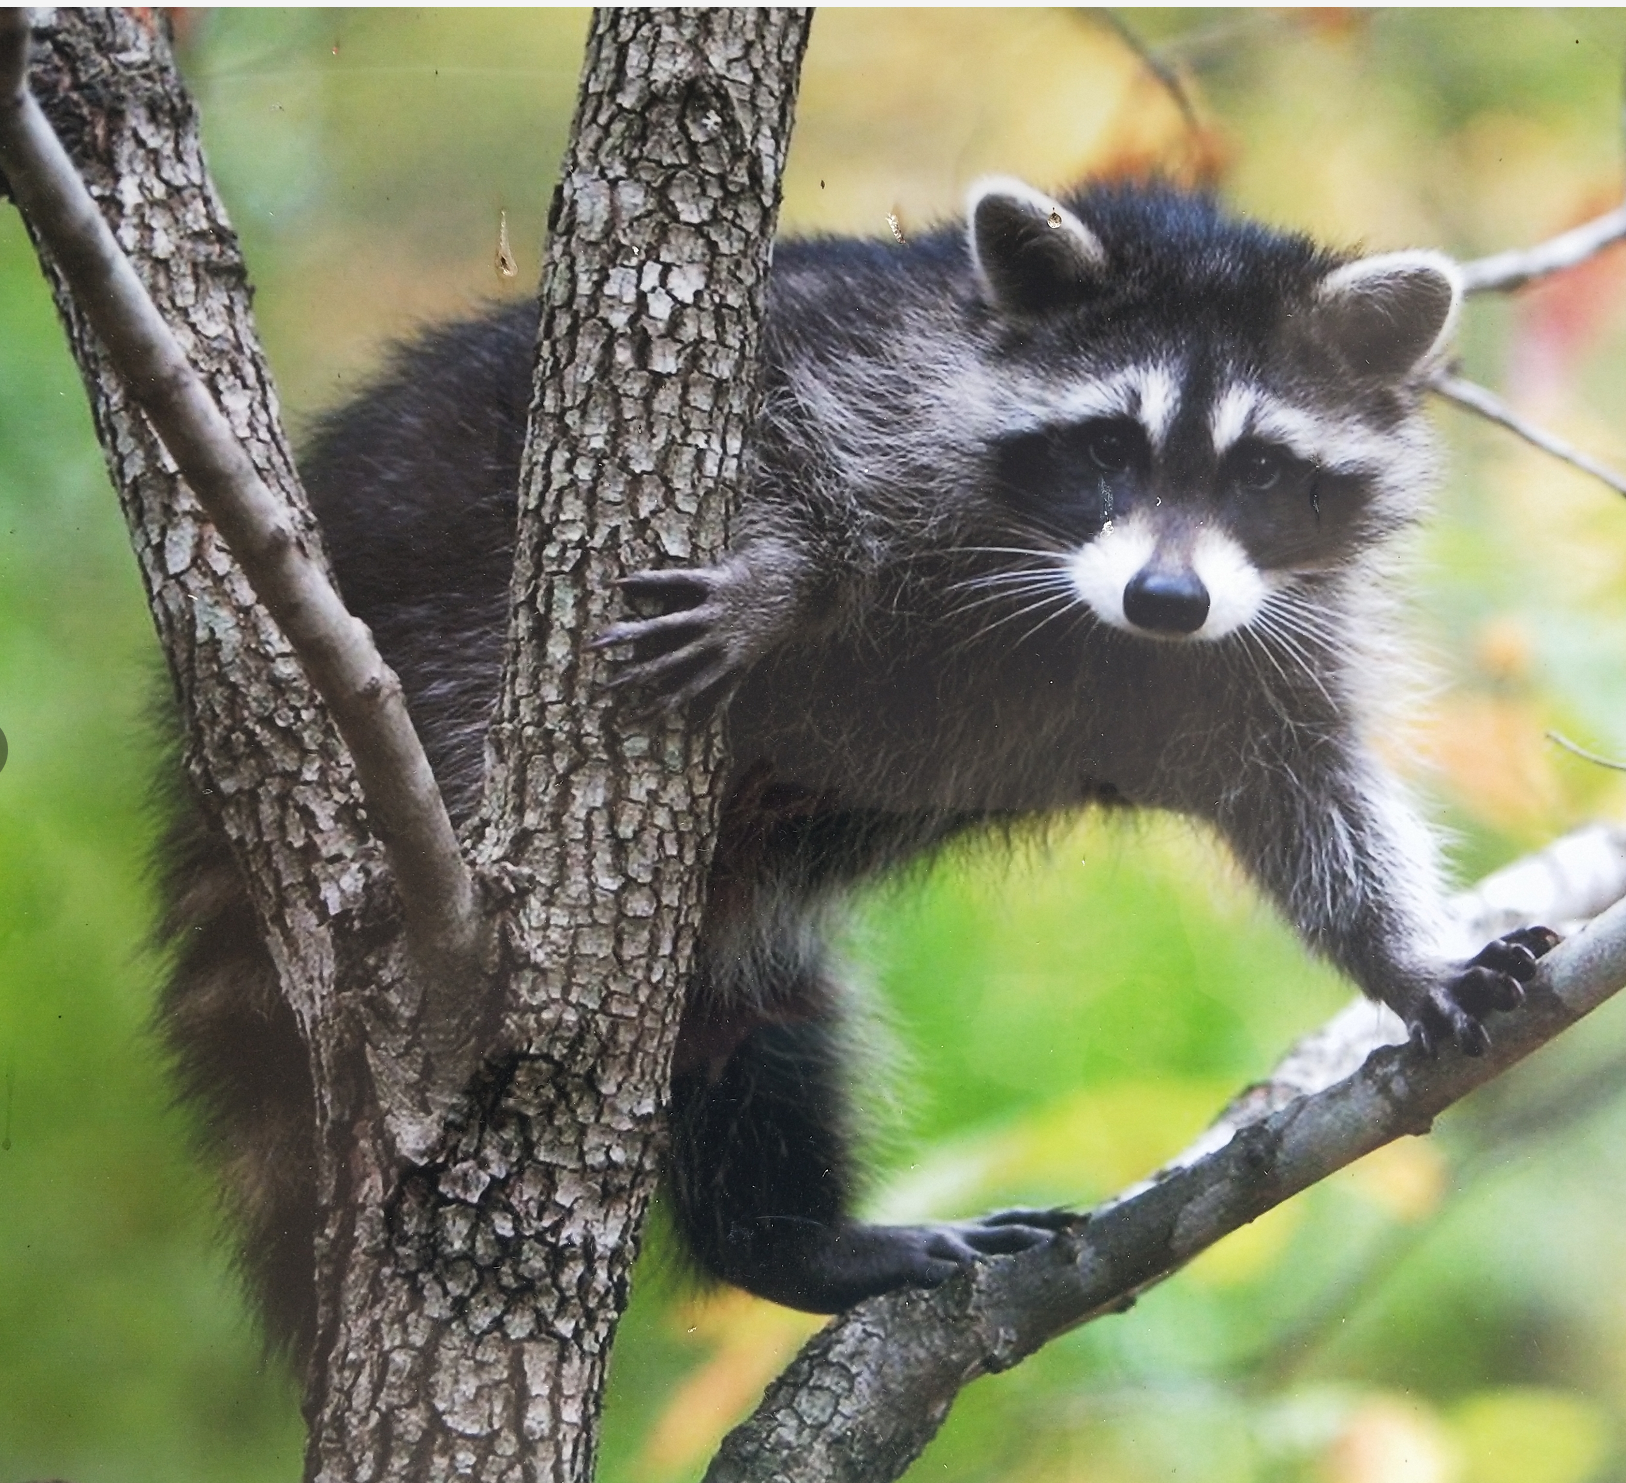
x=1087 y=501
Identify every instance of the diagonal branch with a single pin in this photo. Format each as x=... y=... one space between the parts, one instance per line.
x=1481 y=400
x=1503 y=272
x=336 y=649
x=867 y=1393
x=1166 y=76
x=1559 y=739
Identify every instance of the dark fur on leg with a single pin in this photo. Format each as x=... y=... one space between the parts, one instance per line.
x=762 y=1182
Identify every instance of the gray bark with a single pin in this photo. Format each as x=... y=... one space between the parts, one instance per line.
x=261 y=752
x=470 y=1328
x=476 y=1249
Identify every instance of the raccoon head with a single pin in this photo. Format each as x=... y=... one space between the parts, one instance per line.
x=1200 y=412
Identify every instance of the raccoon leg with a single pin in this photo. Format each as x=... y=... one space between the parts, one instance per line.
x=1335 y=842
x=761 y=1176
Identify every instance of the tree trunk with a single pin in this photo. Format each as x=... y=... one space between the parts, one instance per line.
x=473 y=1262
x=507 y=1258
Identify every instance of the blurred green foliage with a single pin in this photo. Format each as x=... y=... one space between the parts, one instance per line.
x=1061 y=1018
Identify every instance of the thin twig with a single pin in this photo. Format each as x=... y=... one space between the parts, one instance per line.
x=1579 y=751
x=1502 y=272
x=403 y=800
x=1484 y=402
x=1165 y=75
x=1198 y=49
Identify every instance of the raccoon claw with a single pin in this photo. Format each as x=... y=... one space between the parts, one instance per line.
x=671 y=676
x=669 y=584
x=1492 y=980
x=690 y=651
x=1008 y=1231
x=943 y=1250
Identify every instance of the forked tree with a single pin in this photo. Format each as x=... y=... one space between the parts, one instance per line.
x=490 y=1019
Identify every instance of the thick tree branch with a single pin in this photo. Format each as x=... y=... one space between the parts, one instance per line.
x=286 y=573
x=868 y=1392
x=1485 y=403
x=267 y=768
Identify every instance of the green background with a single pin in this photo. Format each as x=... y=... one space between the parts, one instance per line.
x=1453 y=1309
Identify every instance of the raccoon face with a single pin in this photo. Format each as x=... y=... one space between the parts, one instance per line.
x=1241 y=410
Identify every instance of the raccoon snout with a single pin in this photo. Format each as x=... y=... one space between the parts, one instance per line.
x=1166 y=602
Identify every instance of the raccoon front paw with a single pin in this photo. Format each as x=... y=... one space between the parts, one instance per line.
x=1493 y=979
x=699 y=647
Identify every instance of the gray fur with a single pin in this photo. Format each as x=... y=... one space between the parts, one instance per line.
x=918 y=634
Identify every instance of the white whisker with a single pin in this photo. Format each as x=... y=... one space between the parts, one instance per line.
x=1273 y=630
x=1001 y=579
x=1010 y=587
x=1012 y=551
x=1077 y=609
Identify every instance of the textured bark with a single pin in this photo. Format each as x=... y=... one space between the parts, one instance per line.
x=473 y=1311
x=288 y=575
x=262 y=754
x=474 y=1263
x=869 y=1391
x=263 y=758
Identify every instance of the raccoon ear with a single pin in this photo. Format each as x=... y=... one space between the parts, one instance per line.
x=1390 y=315
x=1029 y=251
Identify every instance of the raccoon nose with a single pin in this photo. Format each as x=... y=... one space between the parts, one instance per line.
x=1166 y=602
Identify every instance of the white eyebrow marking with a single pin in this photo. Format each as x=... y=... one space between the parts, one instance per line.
x=1229 y=419
x=1111 y=396
x=1341 y=444
x=1148 y=393
x=1159 y=397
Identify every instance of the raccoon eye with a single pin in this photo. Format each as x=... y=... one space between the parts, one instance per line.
x=1258 y=469
x=1111 y=450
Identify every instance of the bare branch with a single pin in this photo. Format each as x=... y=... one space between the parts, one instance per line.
x=1567 y=884
x=1481 y=400
x=1166 y=76
x=1502 y=272
x=1559 y=739
x=336 y=649
x=869 y=1391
